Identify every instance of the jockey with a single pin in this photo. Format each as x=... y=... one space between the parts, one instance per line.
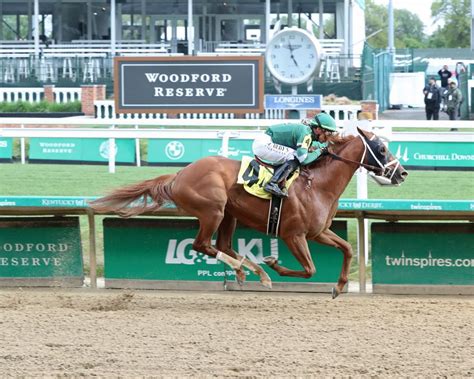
x=288 y=145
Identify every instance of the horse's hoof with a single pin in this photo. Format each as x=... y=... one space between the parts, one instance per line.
x=267 y=284
x=240 y=276
x=270 y=261
x=335 y=293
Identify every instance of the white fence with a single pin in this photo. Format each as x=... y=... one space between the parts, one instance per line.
x=36 y=94
x=105 y=109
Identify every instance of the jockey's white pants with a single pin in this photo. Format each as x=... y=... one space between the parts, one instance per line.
x=264 y=148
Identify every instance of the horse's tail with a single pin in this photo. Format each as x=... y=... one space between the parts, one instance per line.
x=151 y=193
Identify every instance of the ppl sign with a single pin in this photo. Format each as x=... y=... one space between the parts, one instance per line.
x=293 y=101
x=189 y=84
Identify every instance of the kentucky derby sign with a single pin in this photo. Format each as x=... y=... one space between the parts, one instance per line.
x=189 y=84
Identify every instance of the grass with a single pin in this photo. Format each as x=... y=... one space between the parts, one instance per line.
x=87 y=180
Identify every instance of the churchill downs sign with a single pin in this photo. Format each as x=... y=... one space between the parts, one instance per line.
x=189 y=84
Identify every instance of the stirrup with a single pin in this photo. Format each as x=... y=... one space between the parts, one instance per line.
x=275 y=190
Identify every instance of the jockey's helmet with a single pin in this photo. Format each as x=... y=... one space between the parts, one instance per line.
x=324 y=121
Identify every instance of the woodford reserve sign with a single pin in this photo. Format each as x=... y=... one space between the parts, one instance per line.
x=188 y=84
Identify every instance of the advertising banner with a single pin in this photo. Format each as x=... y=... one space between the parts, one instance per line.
x=185 y=151
x=434 y=154
x=6 y=149
x=40 y=251
x=161 y=250
x=189 y=84
x=414 y=254
x=81 y=150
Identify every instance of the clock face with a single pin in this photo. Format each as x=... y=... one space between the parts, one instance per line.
x=293 y=55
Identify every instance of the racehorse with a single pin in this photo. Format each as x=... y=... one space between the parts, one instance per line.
x=207 y=190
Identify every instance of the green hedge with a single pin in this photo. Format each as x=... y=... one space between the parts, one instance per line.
x=42 y=106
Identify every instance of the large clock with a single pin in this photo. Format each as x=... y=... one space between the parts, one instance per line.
x=292 y=55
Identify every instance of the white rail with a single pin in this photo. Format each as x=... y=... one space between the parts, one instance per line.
x=105 y=109
x=35 y=95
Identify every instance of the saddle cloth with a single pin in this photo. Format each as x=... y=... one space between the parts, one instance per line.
x=253 y=176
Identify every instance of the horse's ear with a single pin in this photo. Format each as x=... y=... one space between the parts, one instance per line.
x=361 y=132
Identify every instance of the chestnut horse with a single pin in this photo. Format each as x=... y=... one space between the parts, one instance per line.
x=207 y=190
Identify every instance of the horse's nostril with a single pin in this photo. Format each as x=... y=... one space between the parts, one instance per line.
x=404 y=174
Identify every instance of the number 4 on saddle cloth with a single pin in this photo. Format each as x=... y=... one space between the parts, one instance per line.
x=253 y=176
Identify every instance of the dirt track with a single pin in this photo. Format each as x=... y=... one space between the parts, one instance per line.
x=150 y=333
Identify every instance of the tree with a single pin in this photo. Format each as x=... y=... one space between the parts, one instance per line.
x=408 y=28
x=455 y=16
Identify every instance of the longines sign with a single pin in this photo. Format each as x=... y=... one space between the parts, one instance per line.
x=189 y=84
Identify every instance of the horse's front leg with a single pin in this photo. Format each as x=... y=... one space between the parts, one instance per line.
x=329 y=238
x=299 y=247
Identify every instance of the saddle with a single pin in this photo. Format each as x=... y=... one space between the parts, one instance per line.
x=254 y=174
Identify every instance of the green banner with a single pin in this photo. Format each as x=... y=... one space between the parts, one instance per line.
x=6 y=148
x=34 y=249
x=344 y=204
x=147 y=249
x=434 y=154
x=81 y=150
x=190 y=150
x=429 y=254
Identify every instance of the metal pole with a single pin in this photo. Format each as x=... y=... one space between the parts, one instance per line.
x=113 y=37
x=190 y=28
x=391 y=40
x=36 y=27
x=472 y=25
x=92 y=249
x=321 y=19
x=267 y=21
x=22 y=148
x=290 y=13
x=360 y=249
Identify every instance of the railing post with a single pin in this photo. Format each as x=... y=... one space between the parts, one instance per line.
x=112 y=154
x=22 y=147
x=137 y=150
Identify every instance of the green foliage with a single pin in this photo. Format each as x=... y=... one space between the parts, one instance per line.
x=408 y=28
x=42 y=106
x=456 y=28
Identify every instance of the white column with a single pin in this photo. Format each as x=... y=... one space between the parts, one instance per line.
x=36 y=27
x=113 y=37
x=1 y=21
x=321 y=19
x=89 y=20
x=143 y=8
x=190 y=28
x=267 y=21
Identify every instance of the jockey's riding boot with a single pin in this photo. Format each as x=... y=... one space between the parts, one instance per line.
x=281 y=174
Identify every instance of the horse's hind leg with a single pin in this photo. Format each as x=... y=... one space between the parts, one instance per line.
x=208 y=224
x=329 y=238
x=224 y=243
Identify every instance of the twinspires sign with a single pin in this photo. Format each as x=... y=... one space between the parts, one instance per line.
x=40 y=252
x=147 y=253
x=189 y=84
x=421 y=258
x=6 y=149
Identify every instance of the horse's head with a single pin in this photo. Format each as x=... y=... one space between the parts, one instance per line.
x=387 y=169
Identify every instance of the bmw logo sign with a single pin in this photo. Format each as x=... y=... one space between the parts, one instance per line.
x=174 y=150
x=104 y=149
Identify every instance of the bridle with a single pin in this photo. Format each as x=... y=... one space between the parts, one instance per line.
x=386 y=170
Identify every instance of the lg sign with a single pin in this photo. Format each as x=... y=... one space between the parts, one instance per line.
x=189 y=84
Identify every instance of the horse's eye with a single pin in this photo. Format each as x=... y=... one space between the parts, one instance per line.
x=383 y=150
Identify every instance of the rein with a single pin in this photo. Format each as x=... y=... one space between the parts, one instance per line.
x=359 y=164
